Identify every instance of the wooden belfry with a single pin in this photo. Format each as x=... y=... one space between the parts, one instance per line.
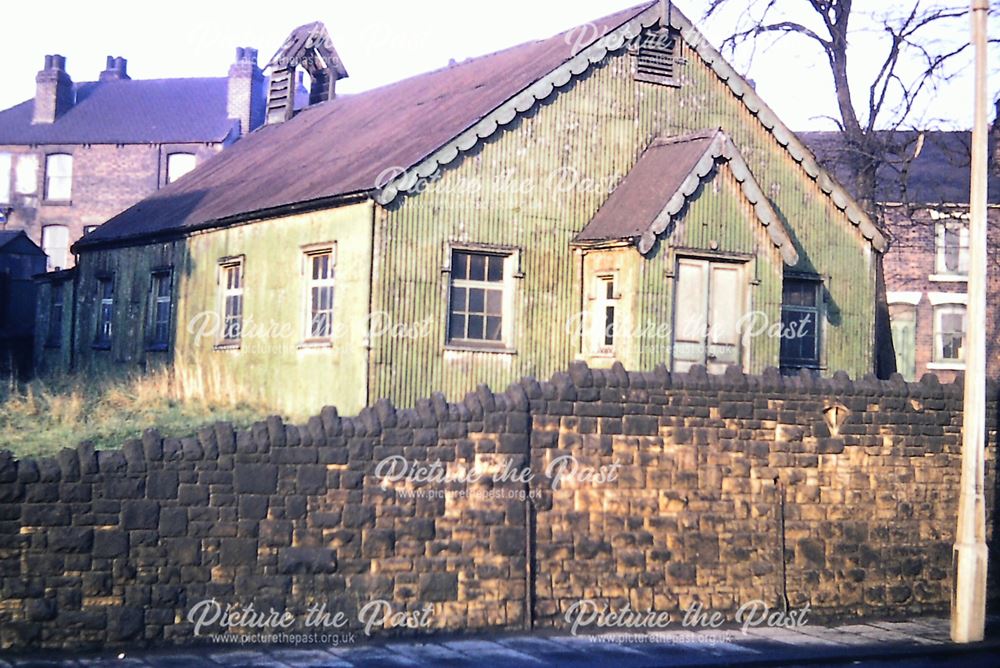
x=308 y=49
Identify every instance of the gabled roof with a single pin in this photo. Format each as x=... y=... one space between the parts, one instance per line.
x=16 y=241
x=129 y=111
x=658 y=187
x=383 y=142
x=931 y=167
x=300 y=44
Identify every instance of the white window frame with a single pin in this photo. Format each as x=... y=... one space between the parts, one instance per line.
x=602 y=301
x=940 y=310
x=225 y=291
x=64 y=192
x=511 y=271
x=54 y=262
x=6 y=171
x=170 y=176
x=26 y=174
x=309 y=255
x=942 y=273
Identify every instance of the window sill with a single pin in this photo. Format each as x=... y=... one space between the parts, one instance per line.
x=946 y=366
x=316 y=344
x=472 y=348
x=100 y=346
x=949 y=278
x=157 y=348
x=57 y=202
x=227 y=345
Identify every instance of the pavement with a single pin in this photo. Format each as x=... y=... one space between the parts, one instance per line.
x=917 y=642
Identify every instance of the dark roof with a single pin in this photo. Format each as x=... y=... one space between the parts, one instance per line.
x=657 y=189
x=342 y=146
x=129 y=112
x=646 y=189
x=938 y=174
x=18 y=242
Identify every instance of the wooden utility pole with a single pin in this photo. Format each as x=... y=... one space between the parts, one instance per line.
x=968 y=601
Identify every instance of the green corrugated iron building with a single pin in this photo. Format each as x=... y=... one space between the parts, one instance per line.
x=614 y=193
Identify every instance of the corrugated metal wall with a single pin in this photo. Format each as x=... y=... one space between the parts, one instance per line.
x=567 y=154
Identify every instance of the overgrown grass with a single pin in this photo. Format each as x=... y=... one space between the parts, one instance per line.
x=44 y=416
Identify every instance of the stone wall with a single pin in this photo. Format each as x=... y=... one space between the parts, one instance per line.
x=689 y=488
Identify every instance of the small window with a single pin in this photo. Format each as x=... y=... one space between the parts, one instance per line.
x=179 y=164
x=604 y=314
x=105 y=311
x=58 y=177
x=232 y=301
x=55 y=243
x=952 y=245
x=800 y=313
x=5 y=171
x=476 y=309
x=319 y=266
x=159 y=310
x=54 y=335
x=656 y=57
x=949 y=333
x=26 y=174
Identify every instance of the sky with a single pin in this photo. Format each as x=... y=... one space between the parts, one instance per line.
x=388 y=40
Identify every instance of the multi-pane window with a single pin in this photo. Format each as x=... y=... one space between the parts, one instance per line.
x=607 y=302
x=232 y=300
x=55 y=243
x=800 y=323
x=949 y=333
x=159 y=310
x=105 y=311
x=58 y=176
x=477 y=296
x=320 y=265
x=54 y=335
x=952 y=248
x=179 y=164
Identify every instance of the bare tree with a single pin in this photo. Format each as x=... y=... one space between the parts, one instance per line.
x=925 y=44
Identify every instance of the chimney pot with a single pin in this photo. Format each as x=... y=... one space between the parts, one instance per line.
x=116 y=69
x=58 y=62
x=48 y=63
x=239 y=53
x=110 y=63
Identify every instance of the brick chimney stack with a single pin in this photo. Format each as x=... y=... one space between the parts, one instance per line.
x=115 y=70
x=245 y=100
x=54 y=94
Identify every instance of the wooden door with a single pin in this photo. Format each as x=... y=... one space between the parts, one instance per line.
x=708 y=312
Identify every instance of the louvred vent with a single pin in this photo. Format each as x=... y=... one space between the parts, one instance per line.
x=656 y=57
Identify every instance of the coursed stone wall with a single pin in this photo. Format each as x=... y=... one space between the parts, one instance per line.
x=627 y=491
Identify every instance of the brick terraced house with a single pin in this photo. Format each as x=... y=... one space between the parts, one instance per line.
x=79 y=153
x=614 y=193
x=923 y=190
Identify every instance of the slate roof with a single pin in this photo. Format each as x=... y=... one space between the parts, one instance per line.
x=129 y=111
x=25 y=245
x=658 y=187
x=939 y=174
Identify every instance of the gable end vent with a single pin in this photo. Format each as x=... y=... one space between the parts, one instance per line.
x=656 y=58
